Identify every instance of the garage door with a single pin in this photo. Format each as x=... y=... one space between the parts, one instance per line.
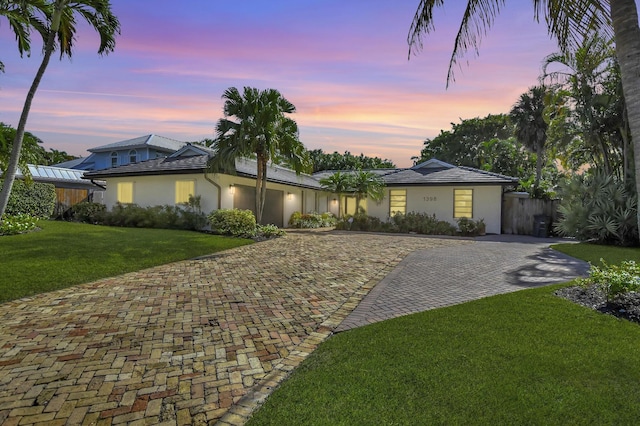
x=245 y=199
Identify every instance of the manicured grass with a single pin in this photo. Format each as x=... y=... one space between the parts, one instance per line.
x=593 y=252
x=521 y=358
x=63 y=254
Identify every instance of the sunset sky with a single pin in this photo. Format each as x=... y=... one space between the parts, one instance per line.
x=343 y=64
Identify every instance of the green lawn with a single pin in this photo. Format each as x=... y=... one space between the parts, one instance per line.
x=63 y=254
x=593 y=253
x=521 y=358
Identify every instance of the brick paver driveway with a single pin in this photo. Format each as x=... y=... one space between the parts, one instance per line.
x=191 y=342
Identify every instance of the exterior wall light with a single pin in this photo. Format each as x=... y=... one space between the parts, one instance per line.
x=289 y=196
x=232 y=189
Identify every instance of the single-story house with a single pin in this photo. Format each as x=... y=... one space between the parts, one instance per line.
x=433 y=187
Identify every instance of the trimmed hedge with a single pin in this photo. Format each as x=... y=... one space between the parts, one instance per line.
x=234 y=222
x=37 y=199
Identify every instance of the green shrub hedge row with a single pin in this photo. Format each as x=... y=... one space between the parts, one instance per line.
x=312 y=220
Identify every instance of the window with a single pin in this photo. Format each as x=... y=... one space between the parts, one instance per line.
x=114 y=159
x=184 y=188
x=397 y=201
x=125 y=192
x=133 y=156
x=462 y=203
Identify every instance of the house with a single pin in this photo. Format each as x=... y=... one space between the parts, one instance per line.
x=121 y=153
x=432 y=187
x=70 y=186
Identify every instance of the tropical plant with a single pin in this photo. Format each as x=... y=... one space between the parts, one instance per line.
x=528 y=116
x=18 y=224
x=589 y=118
x=569 y=22
x=366 y=184
x=23 y=17
x=598 y=207
x=614 y=280
x=59 y=32
x=256 y=125
x=340 y=184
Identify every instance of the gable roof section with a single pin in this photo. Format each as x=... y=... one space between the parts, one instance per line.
x=148 y=141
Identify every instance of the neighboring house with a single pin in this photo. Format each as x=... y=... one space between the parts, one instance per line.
x=432 y=187
x=71 y=188
x=121 y=153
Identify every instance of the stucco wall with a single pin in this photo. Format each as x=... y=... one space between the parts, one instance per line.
x=438 y=200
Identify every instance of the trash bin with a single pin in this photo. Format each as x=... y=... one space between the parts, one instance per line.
x=541 y=225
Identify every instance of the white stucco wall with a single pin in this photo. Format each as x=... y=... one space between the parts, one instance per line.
x=161 y=190
x=438 y=200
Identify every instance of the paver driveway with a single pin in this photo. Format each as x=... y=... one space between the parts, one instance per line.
x=189 y=342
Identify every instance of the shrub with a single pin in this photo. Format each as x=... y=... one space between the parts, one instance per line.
x=187 y=216
x=471 y=228
x=422 y=223
x=35 y=199
x=615 y=279
x=235 y=222
x=312 y=220
x=269 y=231
x=17 y=224
x=88 y=212
x=599 y=208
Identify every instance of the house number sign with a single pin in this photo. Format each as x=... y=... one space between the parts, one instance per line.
x=429 y=199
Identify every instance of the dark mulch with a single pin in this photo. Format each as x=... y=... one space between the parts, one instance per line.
x=625 y=306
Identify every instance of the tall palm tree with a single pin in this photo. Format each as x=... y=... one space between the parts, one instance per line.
x=528 y=118
x=255 y=125
x=338 y=183
x=569 y=21
x=60 y=34
x=366 y=184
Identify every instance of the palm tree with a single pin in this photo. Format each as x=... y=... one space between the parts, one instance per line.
x=339 y=184
x=60 y=33
x=24 y=16
x=260 y=129
x=366 y=184
x=569 y=22
x=528 y=118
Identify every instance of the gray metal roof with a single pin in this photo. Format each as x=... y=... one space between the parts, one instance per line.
x=152 y=141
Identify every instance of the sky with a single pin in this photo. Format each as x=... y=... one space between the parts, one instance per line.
x=344 y=64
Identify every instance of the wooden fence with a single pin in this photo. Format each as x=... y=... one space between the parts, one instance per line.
x=518 y=211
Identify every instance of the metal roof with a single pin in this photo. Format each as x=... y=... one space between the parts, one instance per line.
x=153 y=141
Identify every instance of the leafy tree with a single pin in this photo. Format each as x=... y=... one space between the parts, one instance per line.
x=366 y=184
x=256 y=124
x=569 y=22
x=506 y=156
x=528 y=115
x=463 y=143
x=338 y=183
x=32 y=150
x=59 y=32
x=323 y=161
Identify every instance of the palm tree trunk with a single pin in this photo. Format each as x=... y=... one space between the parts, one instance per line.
x=536 y=183
x=260 y=175
x=12 y=167
x=624 y=15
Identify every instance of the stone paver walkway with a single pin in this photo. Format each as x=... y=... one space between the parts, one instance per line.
x=428 y=279
x=193 y=342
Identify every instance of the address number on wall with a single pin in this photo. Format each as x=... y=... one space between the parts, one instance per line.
x=429 y=199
